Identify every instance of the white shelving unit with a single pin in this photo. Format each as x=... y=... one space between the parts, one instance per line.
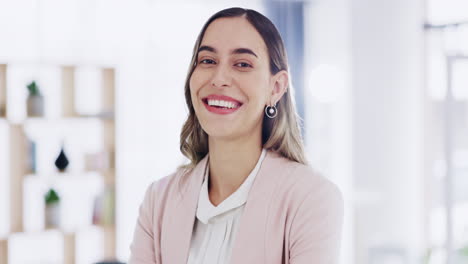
x=18 y=152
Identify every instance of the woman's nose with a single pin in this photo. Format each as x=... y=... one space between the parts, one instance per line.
x=221 y=77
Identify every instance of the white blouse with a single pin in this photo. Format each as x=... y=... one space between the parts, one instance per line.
x=215 y=227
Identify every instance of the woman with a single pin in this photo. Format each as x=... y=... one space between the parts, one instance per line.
x=247 y=196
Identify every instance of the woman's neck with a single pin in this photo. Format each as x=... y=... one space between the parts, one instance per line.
x=230 y=164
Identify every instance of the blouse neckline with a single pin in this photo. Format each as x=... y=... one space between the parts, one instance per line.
x=207 y=211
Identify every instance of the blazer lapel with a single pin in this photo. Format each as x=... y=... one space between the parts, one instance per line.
x=249 y=244
x=181 y=216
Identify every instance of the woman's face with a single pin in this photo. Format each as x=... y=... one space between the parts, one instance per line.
x=231 y=83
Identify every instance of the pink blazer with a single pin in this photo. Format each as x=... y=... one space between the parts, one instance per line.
x=292 y=215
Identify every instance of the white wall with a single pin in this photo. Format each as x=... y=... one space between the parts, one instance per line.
x=365 y=118
x=387 y=50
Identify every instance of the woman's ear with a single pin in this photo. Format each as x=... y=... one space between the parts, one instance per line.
x=279 y=86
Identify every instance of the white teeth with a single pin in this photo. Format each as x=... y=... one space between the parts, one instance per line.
x=222 y=103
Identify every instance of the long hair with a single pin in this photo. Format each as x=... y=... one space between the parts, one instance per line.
x=282 y=133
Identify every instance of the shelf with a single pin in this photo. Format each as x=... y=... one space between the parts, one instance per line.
x=109 y=244
x=38 y=232
x=68 y=91
x=64 y=124
x=53 y=178
x=3 y=251
x=64 y=177
x=72 y=175
x=3 y=94
x=69 y=238
x=59 y=230
x=108 y=89
x=69 y=248
x=63 y=121
x=18 y=168
x=70 y=119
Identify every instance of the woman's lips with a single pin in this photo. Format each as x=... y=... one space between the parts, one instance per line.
x=221 y=104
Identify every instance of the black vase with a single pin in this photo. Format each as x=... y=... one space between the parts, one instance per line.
x=62 y=161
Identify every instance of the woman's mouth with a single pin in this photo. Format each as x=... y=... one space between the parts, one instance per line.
x=220 y=104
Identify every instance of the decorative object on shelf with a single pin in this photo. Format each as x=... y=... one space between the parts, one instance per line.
x=62 y=161
x=52 y=209
x=104 y=207
x=35 y=101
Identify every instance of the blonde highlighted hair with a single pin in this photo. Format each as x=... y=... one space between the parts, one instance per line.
x=282 y=133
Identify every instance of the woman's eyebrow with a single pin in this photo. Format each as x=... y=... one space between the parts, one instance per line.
x=244 y=51
x=207 y=48
x=235 y=51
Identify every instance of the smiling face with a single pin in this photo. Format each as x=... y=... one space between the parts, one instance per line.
x=231 y=83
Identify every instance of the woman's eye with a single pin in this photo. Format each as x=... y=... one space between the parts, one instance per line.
x=244 y=65
x=207 y=61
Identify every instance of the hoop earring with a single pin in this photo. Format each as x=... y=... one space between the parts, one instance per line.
x=271 y=111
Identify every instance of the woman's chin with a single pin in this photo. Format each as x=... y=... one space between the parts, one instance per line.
x=221 y=134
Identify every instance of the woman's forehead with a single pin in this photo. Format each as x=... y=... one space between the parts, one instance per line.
x=228 y=34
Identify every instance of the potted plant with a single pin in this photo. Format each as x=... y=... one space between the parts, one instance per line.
x=35 y=101
x=52 y=209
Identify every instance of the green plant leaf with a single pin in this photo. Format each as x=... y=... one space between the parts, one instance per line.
x=51 y=197
x=33 y=88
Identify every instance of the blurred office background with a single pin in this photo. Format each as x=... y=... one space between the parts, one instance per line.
x=382 y=87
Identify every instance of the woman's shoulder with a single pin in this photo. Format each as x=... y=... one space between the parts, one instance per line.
x=166 y=183
x=305 y=181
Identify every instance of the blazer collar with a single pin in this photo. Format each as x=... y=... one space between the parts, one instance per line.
x=206 y=210
x=181 y=217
